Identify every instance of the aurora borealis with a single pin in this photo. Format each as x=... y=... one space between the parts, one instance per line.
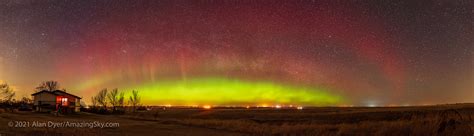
x=208 y=91
x=244 y=52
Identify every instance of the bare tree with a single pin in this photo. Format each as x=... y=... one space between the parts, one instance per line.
x=121 y=100
x=101 y=98
x=48 y=86
x=134 y=100
x=8 y=95
x=26 y=100
x=94 y=102
x=113 y=98
x=6 y=91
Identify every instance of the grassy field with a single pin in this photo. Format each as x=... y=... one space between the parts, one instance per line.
x=427 y=120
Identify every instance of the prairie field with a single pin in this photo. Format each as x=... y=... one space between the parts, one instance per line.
x=453 y=119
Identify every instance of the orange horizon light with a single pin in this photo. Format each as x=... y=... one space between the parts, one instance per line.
x=207 y=107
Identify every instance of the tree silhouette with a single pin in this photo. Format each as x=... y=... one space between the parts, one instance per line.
x=48 y=86
x=26 y=100
x=134 y=100
x=121 y=100
x=101 y=98
x=6 y=91
x=116 y=99
x=113 y=98
x=94 y=102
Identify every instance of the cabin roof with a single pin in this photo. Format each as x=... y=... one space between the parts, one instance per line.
x=55 y=92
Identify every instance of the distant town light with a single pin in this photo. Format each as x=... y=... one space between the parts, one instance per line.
x=371 y=103
x=299 y=108
x=278 y=106
x=207 y=107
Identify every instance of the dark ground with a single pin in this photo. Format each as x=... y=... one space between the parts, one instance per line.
x=426 y=120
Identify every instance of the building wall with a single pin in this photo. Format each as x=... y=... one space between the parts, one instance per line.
x=78 y=105
x=69 y=99
x=45 y=98
x=51 y=99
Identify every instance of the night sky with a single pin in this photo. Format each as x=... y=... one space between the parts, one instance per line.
x=244 y=52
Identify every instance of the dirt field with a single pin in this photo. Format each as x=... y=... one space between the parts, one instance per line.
x=430 y=120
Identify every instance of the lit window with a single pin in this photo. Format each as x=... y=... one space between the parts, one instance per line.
x=64 y=101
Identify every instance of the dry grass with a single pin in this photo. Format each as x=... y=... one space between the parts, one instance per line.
x=439 y=120
x=434 y=120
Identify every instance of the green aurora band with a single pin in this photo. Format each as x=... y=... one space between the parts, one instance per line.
x=222 y=91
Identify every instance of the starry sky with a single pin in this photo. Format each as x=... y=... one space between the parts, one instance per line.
x=244 y=52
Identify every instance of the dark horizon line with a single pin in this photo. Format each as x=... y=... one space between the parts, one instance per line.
x=295 y=106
